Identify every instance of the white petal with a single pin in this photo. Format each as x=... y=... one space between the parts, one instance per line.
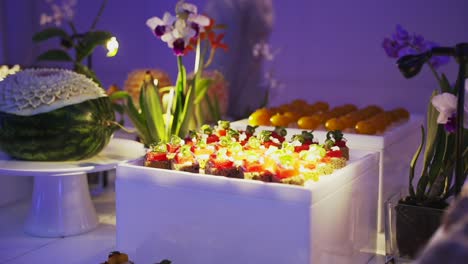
x=154 y=22
x=443 y=118
x=168 y=37
x=181 y=7
x=445 y=102
x=190 y=33
x=200 y=20
x=168 y=19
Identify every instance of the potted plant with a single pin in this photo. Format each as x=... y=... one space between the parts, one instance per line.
x=159 y=117
x=81 y=44
x=414 y=216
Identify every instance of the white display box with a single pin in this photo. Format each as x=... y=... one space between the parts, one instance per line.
x=396 y=148
x=193 y=218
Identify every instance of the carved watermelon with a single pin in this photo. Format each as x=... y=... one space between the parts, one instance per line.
x=53 y=115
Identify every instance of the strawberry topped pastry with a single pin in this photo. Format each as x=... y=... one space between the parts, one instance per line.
x=184 y=160
x=303 y=141
x=245 y=135
x=221 y=164
x=222 y=128
x=286 y=165
x=157 y=156
x=272 y=138
x=336 y=138
x=312 y=164
x=256 y=166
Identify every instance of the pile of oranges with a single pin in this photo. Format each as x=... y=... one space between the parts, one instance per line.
x=369 y=120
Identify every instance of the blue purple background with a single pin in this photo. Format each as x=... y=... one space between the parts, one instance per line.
x=329 y=49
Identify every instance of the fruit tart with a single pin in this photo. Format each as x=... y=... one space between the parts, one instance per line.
x=157 y=157
x=184 y=160
x=335 y=138
x=221 y=164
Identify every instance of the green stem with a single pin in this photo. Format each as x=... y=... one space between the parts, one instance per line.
x=436 y=74
x=180 y=66
x=99 y=14
x=73 y=28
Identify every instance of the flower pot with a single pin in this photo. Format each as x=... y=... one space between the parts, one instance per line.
x=408 y=228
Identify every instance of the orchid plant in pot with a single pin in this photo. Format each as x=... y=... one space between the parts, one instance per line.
x=175 y=110
x=414 y=217
x=76 y=47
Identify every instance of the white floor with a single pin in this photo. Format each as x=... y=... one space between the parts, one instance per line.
x=90 y=248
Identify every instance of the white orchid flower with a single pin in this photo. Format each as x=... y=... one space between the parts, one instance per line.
x=177 y=31
x=163 y=26
x=446 y=105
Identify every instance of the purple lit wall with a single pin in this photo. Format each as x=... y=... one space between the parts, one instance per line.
x=330 y=49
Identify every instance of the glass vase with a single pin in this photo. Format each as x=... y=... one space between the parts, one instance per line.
x=408 y=228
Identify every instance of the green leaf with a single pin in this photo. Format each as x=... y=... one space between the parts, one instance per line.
x=445 y=84
x=202 y=85
x=442 y=166
x=80 y=68
x=432 y=132
x=414 y=161
x=182 y=128
x=136 y=117
x=89 y=42
x=54 y=55
x=153 y=110
x=51 y=32
x=179 y=98
x=119 y=95
x=217 y=111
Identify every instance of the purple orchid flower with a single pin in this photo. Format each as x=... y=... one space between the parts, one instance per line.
x=402 y=43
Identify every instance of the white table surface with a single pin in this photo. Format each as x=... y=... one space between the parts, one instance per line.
x=16 y=247
x=118 y=150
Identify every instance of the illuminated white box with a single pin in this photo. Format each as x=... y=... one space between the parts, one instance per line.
x=396 y=148
x=192 y=218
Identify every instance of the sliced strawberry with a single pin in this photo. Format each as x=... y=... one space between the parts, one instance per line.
x=222 y=132
x=172 y=148
x=254 y=167
x=156 y=156
x=301 y=148
x=212 y=139
x=335 y=154
x=223 y=164
x=267 y=144
x=341 y=144
x=279 y=137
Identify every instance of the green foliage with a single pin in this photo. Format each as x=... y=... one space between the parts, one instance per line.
x=436 y=182
x=83 y=45
x=89 y=42
x=49 y=33
x=54 y=55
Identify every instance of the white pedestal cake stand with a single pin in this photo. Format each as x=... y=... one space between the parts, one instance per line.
x=61 y=203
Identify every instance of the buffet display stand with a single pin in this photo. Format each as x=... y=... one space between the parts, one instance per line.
x=61 y=203
x=195 y=218
x=396 y=148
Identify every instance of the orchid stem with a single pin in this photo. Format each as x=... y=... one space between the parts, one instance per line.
x=436 y=74
x=73 y=28
x=99 y=14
